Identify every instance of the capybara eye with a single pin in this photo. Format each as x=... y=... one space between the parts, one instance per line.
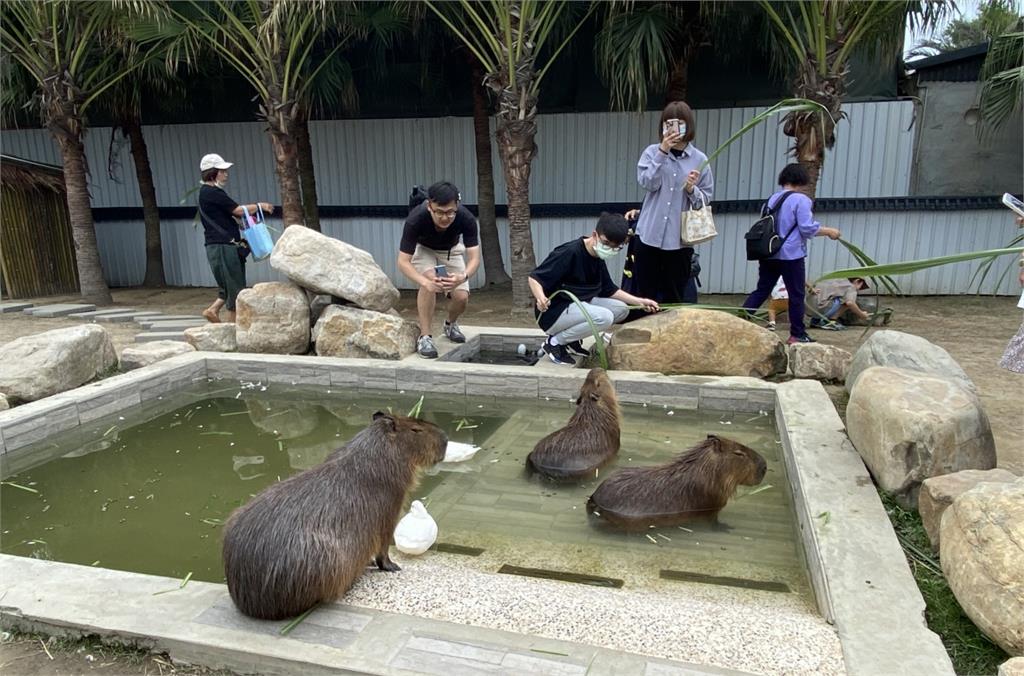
x=740 y=453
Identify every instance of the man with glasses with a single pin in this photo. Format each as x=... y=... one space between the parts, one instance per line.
x=432 y=255
x=579 y=267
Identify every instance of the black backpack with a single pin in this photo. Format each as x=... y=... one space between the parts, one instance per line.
x=418 y=196
x=763 y=239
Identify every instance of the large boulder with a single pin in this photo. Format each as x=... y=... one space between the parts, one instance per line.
x=272 y=318
x=144 y=354
x=212 y=337
x=33 y=367
x=908 y=426
x=903 y=350
x=344 y=331
x=819 y=361
x=327 y=265
x=982 y=555
x=1012 y=667
x=697 y=342
x=939 y=492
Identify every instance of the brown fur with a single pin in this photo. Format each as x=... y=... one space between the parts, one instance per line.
x=307 y=539
x=695 y=485
x=590 y=439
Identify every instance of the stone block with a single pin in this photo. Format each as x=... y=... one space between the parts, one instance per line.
x=939 y=492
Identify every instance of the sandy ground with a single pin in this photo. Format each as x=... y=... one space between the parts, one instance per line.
x=974 y=329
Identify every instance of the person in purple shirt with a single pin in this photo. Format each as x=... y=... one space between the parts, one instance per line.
x=795 y=222
x=671 y=173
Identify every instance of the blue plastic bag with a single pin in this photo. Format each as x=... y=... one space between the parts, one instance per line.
x=256 y=233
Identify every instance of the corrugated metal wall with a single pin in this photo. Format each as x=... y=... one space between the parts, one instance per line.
x=583 y=158
x=888 y=236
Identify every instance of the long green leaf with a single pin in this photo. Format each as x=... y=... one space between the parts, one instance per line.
x=783 y=30
x=888 y=282
x=907 y=267
x=554 y=55
x=783 y=107
x=598 y=340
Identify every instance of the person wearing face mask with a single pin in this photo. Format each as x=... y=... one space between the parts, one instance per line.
x=226 y=251
x=579 y=267
x=670 y=172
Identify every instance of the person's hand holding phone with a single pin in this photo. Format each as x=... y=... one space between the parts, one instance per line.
x=451 y=281
x=670 y=135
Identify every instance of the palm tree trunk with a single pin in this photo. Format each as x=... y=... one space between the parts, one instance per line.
x=517 y=148
x=91 y=282
x=150 y=211
x=490 y=242
x=307 y=175
x=286 y=168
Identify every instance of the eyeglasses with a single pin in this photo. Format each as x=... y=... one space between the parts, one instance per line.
x=613 y=247
x=446 y=213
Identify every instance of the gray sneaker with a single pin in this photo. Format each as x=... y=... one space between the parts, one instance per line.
x=425 y=346
x=451 y=330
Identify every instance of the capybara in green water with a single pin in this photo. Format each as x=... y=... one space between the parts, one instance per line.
x=590 y=439
x=695 y=485
x=306 y=540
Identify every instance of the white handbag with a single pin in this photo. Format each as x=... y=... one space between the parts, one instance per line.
x=697 y=226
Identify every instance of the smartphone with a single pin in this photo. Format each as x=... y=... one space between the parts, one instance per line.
x=440 y=271
x=671 y=126
x=1014 y=204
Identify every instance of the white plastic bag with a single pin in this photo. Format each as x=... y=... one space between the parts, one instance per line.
x=417 y=530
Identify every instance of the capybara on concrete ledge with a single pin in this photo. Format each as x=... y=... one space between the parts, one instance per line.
x=307 y=539
x=589 y=440
x=695 y=485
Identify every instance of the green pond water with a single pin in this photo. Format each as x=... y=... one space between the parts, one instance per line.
x=147 y=490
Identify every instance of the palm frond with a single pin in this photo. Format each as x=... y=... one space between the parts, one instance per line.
x=1002 y=82
x=784 y=107
x=635 y=48
x=908 y=267
x=985 y=267
x=887 y=281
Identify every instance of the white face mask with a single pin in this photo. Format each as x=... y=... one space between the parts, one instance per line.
x=603 y=251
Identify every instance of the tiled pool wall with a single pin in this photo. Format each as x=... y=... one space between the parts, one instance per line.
x=859 y=575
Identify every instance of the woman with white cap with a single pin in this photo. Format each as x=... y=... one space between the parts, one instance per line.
x=225 y=249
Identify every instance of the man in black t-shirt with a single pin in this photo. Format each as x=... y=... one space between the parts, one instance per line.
x=440 y=251
x=579 y=267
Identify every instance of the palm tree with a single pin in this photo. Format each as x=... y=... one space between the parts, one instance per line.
x=270 y=43
x=71 y=52
x=1002 y=79
x=816 y=39
x=507 y=36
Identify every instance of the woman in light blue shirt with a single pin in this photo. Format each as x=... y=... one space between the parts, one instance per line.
x=795 y=223
x=670 y=173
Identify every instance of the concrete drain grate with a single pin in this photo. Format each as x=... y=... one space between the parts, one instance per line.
x=760 y=585
x=451 y=548
x=578 y=578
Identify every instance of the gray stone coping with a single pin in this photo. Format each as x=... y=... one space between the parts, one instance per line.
x=860 y=577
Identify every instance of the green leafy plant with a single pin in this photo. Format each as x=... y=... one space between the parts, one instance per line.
x=907 y=267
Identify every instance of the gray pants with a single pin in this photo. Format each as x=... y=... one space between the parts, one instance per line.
x=572 y=325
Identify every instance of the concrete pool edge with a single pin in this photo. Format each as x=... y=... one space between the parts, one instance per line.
x=877 y=621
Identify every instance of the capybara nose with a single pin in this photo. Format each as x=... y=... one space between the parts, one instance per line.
x=762 y=469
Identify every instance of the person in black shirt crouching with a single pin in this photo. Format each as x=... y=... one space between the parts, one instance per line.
x=432 y=255
x=579 y=267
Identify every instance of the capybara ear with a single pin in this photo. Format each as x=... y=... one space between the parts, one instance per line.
x=717 y=442
x=386 y=416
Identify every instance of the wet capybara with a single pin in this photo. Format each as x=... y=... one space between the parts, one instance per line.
x=695 y=485
x=306 y=539
x=588 y=441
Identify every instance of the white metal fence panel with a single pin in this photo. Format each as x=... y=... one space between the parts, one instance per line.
x=888 y=236
x=582 y=157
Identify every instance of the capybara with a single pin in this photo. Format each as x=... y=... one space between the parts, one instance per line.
x=588 y=441
x=306 y=539
x=695 y=485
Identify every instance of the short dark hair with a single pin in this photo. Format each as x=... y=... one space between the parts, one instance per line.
x=613 y=227
x=210 y=174
x=794 y=174
x=679 y=110
x=443 y=192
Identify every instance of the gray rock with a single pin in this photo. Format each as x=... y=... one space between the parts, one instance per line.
x=272 y=318
x=144 y=354
x=938 y=493
x=982 y=555
x=909 y=426
x=344 y=331
x=327 y=265
x=33 y=367
x=903 y=350
x=212 y=337
x=697 y=342
x=318 y=302
x=1012 y=667
x=819 y=361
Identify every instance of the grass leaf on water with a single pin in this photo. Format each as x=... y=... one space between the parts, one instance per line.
x=14 y=485
x=757 y=490
x=414 y=412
